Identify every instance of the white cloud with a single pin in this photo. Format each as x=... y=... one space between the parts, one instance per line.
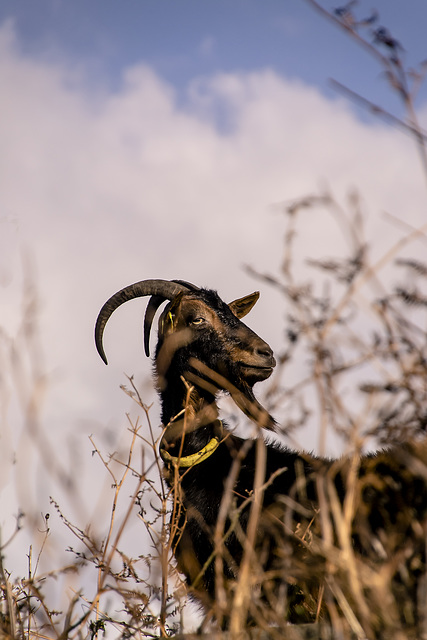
x=105 y=189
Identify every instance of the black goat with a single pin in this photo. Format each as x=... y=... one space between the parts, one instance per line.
x=276 y=517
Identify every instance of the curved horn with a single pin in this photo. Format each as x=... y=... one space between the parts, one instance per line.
x=164 y=288
x=152 y=306
x=188 y=285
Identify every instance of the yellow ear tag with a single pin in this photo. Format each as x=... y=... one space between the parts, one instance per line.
x=170 y=318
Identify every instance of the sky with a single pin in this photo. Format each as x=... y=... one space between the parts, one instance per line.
x=152 y=139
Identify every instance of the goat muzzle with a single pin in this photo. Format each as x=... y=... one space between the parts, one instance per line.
x=254 y=373
x=260 y=365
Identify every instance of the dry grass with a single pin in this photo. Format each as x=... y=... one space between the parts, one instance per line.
x=383 y=364
x=353 y=330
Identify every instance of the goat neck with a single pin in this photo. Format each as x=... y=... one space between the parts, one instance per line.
x=189 y=410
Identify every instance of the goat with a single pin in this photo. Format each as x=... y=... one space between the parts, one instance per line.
x=203 y=347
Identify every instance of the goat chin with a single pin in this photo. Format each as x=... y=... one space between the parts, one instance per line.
x=253 y=374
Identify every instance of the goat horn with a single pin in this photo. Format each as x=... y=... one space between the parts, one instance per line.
x=152 y=306
x=165 y=289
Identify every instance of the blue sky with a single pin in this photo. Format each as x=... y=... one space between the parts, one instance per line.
x=153 y=139
x=185 y=39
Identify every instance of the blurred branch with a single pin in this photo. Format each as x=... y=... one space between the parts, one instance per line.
x=377 y=110
x=398 y=77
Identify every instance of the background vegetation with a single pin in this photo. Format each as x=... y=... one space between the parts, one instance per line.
x=358 y=327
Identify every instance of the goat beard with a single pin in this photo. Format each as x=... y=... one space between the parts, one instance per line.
x=243 y=396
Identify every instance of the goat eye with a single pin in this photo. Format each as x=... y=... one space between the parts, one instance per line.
x=197 y=321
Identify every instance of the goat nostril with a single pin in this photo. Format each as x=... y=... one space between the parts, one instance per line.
x=264 y=351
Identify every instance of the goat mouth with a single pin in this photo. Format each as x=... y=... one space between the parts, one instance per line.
x=256 y=372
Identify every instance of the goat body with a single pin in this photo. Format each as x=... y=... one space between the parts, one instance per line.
x=387 y=524
x=365 y=515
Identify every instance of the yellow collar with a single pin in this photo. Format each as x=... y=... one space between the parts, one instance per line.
x=194 y=458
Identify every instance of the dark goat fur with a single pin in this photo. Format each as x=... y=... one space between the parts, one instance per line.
x=202 y=343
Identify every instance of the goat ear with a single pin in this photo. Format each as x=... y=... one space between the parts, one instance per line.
x=242 y=306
